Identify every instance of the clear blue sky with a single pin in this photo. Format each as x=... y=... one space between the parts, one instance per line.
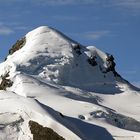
x=111 y=25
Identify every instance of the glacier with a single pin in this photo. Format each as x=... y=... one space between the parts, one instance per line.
x=70 y=88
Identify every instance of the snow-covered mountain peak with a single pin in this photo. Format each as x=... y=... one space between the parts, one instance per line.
x=42 y=40
x=52 y=87
x=52 y=56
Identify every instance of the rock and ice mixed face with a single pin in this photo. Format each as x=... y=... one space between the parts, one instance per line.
x=50 y=55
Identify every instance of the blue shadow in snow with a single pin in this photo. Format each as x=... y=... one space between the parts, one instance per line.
x=84 y=130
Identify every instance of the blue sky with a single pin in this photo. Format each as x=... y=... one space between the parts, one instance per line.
x=111 y=25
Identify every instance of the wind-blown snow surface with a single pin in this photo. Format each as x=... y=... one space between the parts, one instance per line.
x=54 y=85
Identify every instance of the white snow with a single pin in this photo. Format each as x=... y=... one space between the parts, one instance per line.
x=50 y=79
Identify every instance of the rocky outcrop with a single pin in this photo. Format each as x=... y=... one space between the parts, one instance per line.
x=18 y=45
x=43 y=133
x=92 y=61
x=77 y=49
x=5 y=82
x=110 y=63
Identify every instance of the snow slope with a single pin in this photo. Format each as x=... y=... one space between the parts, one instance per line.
x=68 y=87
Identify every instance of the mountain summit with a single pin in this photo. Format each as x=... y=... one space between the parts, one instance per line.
x=50 y=55
x=64 y=90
